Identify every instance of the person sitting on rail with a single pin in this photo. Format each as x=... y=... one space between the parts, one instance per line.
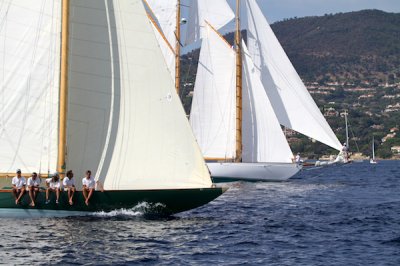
x=89 y=185
x=18 y=183
x=53 y=184
x=33 y=187
x=69 y=185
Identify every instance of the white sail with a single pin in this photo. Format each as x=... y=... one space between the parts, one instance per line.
x=263 y=139
x=165 y=12
x=213 y=112
x=29 y=84
x=126 y=123
x=373 y=148
x=290 y=99
x=167 y=51
x=216 y=12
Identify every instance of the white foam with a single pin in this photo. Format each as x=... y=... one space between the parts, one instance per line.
x=140 y=209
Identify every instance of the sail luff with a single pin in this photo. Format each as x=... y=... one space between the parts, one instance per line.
x=62 y=139
x=178 y=47
x=238 y=86
x=151 y=16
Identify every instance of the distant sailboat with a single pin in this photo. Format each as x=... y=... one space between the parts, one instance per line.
x=109 y=105
x=238 y=123
x=372 y=160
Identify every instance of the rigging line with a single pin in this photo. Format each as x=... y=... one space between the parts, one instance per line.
x=45 y=96
x=2 y=96
x=27 y=100
x=54 y=89
x=51 y=75
x=352 y=133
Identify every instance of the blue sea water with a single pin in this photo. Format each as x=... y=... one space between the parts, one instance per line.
x=347 y=215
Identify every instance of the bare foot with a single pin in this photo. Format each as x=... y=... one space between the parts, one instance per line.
x=32 y=204
x=16 y=202
x=87 y=202
x=70 y=202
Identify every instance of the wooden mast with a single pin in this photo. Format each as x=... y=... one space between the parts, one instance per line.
x=178 y=47
x=62 y=131
x=238 y=156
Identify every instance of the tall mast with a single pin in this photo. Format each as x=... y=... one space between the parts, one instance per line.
x=178 y=46
x=238 y=156
x=62 y=131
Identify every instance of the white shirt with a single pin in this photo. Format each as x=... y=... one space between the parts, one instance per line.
x=68 y=182
x=53 y=184
x=298 y=158
x=19 y=182
x=34 y=183
x=89 y=183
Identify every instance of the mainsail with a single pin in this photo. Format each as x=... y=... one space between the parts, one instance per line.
x=290 y=99
x=125 y=119
x=29 y=84
x=213 y=108
x=263 y=139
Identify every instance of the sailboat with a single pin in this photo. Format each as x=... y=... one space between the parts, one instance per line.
x=100 y=98
x=241 y=98
x=372 y=160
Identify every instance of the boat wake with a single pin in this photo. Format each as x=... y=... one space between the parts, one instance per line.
x=141 y=209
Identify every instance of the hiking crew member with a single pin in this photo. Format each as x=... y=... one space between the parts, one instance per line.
x=88 y=184
x=18 y=183
x=53 y=184
x=69 y=185
x=33 y=187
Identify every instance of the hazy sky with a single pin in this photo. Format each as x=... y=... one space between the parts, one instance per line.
x=276 y=10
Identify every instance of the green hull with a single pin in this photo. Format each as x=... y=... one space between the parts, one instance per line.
x=168 y=201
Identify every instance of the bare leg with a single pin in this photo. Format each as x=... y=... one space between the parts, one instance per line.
x=32 y=196
x=15 y=193
x=35 y=193
x=21 y=193
x=89 y=196
x=84 y=192
x=69 y=196
x=71 y=193
x=57 y=194
x=47 y=193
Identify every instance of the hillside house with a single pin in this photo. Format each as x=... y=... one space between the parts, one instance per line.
x=395 y=149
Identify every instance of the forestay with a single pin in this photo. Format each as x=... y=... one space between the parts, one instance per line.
x=216 y=12
x=165 y=12
x=263 y=139
x=213 y=108
x=129 y=125
x=29 y=84
x=290 y=99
